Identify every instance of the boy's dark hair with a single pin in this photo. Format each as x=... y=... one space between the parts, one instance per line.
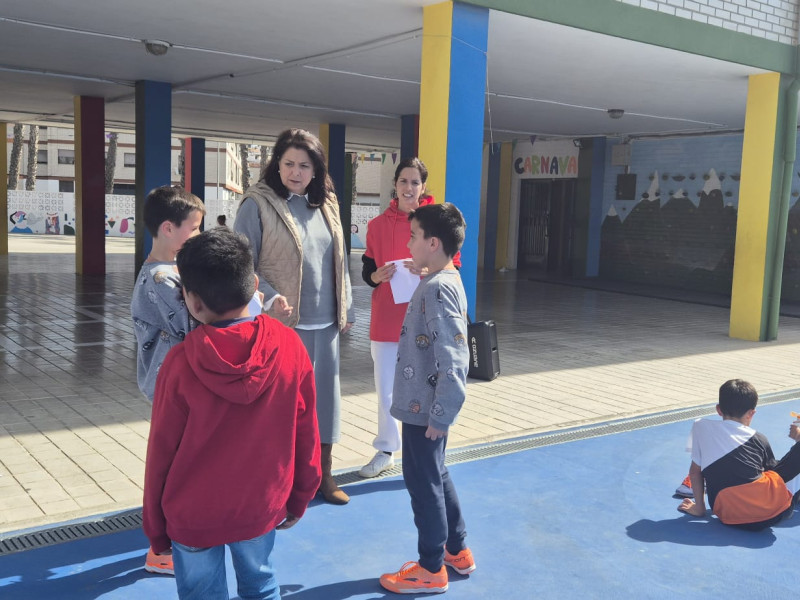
x=321 y=184
x=443 y=221
x=217 y=265
x=736 y=397
x=169 y=203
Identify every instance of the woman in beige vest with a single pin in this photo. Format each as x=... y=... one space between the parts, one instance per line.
x=291 y=217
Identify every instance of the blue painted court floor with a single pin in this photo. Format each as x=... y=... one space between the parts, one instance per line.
x=590 y=518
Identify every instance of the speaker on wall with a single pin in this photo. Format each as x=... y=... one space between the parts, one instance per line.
x=626 y=186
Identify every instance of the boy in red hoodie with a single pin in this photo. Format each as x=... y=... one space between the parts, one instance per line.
x=234 y=450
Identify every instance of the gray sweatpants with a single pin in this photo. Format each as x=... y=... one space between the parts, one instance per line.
x=323 y=350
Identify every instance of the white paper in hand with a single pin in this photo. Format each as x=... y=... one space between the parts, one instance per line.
x=254 y=306
x=403 y=282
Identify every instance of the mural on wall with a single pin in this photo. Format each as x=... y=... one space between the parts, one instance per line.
x=681 y=236
x=53 y=213
x=360 y=216
x=790 y=289
x=680 y=228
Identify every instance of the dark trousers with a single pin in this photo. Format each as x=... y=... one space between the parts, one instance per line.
x=788 y=468
x=437 y=512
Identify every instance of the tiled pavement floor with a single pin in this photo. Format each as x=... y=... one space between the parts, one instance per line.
x=73 y=424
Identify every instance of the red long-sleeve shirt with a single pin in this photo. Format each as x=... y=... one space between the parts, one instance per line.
x=387 y=239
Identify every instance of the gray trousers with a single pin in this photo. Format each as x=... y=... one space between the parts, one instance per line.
x=323 y=350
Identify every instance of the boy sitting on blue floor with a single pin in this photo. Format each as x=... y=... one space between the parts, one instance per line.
x=746 y=485
x=234 y=450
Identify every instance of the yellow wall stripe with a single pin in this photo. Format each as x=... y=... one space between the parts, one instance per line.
x=755 y=192
x=434 y=94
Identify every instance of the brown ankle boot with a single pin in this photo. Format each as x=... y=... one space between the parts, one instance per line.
x=330 y=491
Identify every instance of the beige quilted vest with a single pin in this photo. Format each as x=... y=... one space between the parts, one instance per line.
x=281 y=260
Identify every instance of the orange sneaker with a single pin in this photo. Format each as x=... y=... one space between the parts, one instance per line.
x=414 y=579
x=462 y=563
x=684 y=490
x=159 y=563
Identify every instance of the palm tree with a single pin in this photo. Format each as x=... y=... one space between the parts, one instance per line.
x=33 y=152
x=111 y=162
x=245 y=166
x=16 y=154
x=264 y=156
x=182 y=163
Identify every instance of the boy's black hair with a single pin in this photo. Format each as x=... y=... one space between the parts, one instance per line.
x=736 y=397
x=217 y=265
x=443 y=221
x=169 y=203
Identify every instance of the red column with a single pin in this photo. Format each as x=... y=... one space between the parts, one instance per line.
x=90 y=196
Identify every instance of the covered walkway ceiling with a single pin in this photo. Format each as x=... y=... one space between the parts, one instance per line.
x=246 y=69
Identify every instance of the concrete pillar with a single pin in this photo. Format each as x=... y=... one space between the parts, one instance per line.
x=194 y=170
x=153 y=152
x=452 y=90
x=758 y=222
x=90 y=190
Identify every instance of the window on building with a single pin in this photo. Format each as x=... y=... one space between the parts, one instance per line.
x=66 y=157
x=66 y=186
x=41 y=157
x=129 y=159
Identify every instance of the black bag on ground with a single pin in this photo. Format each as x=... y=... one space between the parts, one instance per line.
x=484 y=359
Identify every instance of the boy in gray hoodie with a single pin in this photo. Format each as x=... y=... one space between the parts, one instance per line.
x=429 y=390
x=160 y=318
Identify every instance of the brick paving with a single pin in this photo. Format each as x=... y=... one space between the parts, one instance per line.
x=73 y=424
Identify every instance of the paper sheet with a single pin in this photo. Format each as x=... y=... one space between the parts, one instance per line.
x=254 y=306
x=403 y=282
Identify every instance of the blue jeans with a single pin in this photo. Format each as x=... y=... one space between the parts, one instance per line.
x=437 y=512
x=200 y=572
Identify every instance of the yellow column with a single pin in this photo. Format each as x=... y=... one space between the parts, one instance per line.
x=503 y=206
x=4 y=191
x=760 y=164
x=437 y=24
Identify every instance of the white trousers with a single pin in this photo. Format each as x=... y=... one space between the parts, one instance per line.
x=384 y=359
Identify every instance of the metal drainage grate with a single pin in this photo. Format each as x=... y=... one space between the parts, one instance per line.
x=133 y=519
x=67 y=533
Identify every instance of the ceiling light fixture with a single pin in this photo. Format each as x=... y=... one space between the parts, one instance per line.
x=156 y=47
x=615 y=113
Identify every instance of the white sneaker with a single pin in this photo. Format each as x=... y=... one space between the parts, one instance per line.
x=379 y=463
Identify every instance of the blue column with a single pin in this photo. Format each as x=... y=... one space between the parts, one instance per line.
x=409 y=136
x=194 y=170
x=596 y=206
x=492 y=201
x=336 y=155
x=198 y=166
x=153 y=152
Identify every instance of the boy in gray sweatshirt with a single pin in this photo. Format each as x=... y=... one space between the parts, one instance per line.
x=160 y=318
x=429 y=390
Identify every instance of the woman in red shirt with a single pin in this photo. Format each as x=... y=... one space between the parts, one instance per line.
x=387 y=240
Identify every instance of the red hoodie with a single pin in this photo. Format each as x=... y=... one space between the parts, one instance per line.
x=387 y=239
x=234 y=442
